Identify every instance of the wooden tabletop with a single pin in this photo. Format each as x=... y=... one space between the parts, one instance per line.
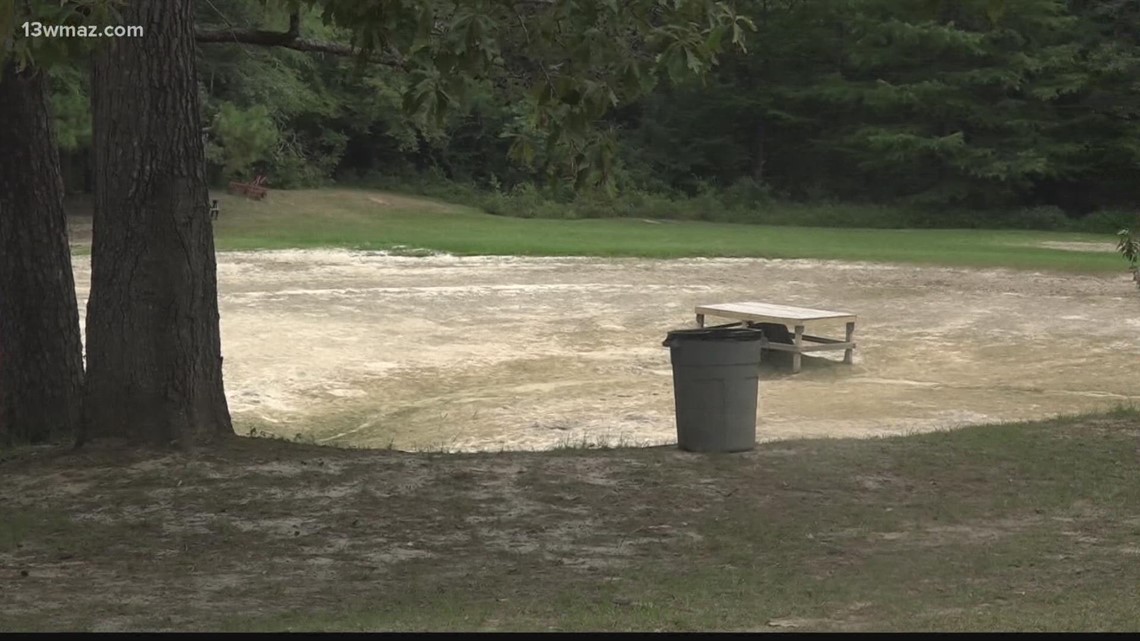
x=768 y=313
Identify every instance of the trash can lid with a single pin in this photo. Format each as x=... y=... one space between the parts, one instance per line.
x=714 y=334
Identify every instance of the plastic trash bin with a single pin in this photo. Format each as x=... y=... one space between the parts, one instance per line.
x=716 y=378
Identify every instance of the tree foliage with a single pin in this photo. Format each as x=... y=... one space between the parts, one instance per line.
x=45 y=52
x=971 y=103
x=242 y=138
x=976 y=103
x=559 y=65
x=1128 y=244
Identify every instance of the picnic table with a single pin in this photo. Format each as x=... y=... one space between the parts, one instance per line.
x=255 y=190
x=751 y=313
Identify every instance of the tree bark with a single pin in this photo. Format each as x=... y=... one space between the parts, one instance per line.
x=758 y=153
x=153 y=338
x=41 y=354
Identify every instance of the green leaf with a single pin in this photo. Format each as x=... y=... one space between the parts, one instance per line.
x=522 y=150
x=543 y=93
x=714 y=40
x=693 y=62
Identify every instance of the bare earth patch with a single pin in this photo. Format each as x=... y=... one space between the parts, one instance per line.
x=359 y=348
x=266 y=528
x=489 y=353
x=1016 y=528
x=1079 y=246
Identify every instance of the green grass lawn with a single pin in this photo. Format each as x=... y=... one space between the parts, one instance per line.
x=354 y=219
x=1003 y=527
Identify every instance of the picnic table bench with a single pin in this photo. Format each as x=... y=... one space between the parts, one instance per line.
x=255 y=190
x=797 y=317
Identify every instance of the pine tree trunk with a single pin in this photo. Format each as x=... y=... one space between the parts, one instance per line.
x=153 y=342
x=41 y=355
x=758 y=153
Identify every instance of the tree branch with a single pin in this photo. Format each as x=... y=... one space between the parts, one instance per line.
x=272 y=39
x=290 y=39
x=294 y=25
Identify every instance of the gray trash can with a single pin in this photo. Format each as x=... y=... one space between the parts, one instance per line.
x=716 y=375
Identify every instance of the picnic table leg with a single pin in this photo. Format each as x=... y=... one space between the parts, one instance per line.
x=849 y=353
x=700 y=320
x=797 y=356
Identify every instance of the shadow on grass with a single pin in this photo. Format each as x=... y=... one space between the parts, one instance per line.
x=1031 y=526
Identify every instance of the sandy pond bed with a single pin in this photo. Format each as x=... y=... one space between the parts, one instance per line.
x=487 y=353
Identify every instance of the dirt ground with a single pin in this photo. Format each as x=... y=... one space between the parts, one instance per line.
x=490 y=353
x=1004 y=528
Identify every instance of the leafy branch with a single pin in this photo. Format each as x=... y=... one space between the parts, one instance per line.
x=1128 y=244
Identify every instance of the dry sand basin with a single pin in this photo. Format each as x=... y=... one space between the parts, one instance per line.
x=489 y=353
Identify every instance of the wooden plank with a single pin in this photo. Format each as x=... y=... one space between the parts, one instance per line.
x=849 y=355
x=797 y=317
x=780 y=311
x=819 y=347
x=821 y=339
x=768 y=313
x=816 y=347
x=799 y=345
